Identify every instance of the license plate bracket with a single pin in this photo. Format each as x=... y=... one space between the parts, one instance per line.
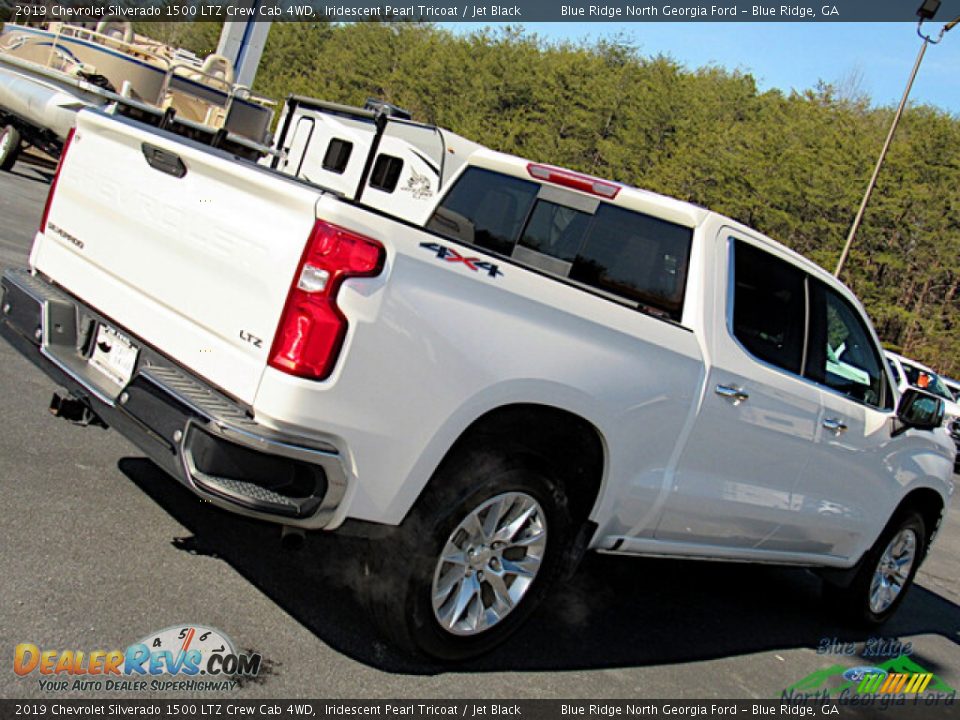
x=114 y=354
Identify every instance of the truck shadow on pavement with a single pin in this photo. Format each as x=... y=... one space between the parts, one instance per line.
x=38 y=176
x=34 y=168
x=615 y=612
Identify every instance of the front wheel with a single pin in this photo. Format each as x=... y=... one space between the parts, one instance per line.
x=9 y=147
x=886 y=572
x=477 y=554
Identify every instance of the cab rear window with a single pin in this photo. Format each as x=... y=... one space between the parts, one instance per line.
x=485 y=208
x=632 y=257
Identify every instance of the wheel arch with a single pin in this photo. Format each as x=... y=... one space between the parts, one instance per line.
x=923 y=499
x=931 y=506
x=927 y=501
x=559 y=443
x=555 y=446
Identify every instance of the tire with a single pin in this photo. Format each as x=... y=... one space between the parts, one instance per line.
x=883 y=578
x=465 y=605
x=9 y=147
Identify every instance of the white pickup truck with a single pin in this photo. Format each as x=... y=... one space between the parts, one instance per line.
x=487 y=365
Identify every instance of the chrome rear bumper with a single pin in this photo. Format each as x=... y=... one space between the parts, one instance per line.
x=209 y=442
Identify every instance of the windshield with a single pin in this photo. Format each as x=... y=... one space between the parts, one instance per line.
x=926 y=380
x=954 y=389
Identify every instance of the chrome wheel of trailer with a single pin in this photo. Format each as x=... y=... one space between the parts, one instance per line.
x=9 y=147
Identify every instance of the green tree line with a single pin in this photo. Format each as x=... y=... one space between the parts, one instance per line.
x=794 y=165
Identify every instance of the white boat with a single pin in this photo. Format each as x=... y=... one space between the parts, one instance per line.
x=48 y=73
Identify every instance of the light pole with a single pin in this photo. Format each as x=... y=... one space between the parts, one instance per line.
x=925 y=12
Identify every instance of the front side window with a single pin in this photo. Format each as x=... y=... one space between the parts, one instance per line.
x=842 y=354
x=769 y=307
x=954 y=392
x=939 y=387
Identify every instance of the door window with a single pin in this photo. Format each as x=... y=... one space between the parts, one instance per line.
x=842 y=354
x=769 y=307
x=926 y=380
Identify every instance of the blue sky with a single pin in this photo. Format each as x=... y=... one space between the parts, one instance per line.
x=795 y=55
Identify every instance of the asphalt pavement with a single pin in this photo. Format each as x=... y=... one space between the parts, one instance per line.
x=100 y=549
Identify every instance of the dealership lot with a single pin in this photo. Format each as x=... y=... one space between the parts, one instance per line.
x=102 y=549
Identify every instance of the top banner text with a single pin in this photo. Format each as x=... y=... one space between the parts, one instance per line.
x=447 y=11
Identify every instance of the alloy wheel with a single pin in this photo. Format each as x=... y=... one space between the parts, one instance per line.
x=893 y=570
x=488 y=563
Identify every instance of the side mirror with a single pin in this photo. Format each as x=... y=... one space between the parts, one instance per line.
x=919 y=410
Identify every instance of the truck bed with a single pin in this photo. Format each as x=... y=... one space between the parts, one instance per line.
x=192 y=247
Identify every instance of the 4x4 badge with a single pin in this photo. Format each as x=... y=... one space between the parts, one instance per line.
x=451 y=255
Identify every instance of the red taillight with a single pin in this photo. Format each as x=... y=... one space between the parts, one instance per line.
x=570 y=179
x=56 y=176
x=312 y=328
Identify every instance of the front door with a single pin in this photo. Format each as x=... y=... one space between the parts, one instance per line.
x=848 y=484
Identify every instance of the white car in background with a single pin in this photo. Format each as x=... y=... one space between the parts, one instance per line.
x=954 y=427
x=910 y=373
x=953 y=386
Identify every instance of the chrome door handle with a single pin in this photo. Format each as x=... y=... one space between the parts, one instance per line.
x=732 y=393
x=835 y=426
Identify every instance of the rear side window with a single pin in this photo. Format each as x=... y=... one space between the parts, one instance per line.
x=485 y=208
x=913 y=374
x=769 y=307
x=925 y=380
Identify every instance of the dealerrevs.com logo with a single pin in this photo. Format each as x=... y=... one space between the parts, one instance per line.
x=178 y=658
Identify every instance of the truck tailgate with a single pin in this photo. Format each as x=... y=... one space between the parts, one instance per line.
x=192 y=251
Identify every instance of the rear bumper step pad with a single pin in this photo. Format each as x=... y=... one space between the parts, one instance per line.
x=200 y=436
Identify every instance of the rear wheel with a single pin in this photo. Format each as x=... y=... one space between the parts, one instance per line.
x=885 y=573
x=474 y=558
x=9 y=146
